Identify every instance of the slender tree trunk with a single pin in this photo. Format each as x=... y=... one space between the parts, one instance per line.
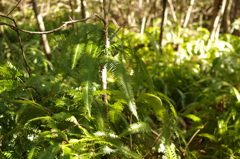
x=227 y=18
x=41 y=27
x=188 y=14
x=83 y=12
x=107 y=44
x=72 y=13
x=216 y=24
x=1 y=7
x=172 y=10
x=164 y=6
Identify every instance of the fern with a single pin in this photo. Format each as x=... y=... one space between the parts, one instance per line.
x=120 y=74
x=136 y=128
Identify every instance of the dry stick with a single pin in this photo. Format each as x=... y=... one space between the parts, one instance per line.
x=196 y=133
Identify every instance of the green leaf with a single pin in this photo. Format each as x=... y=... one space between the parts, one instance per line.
x=193 y=117
x=136 y=128
x=32 y=103
x=78 y=49
x=155 y=103
x=236 y=92
x=209 y=136
x=50 y=152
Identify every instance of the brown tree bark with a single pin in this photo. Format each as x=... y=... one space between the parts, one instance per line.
x=83 y=12
x=164 y=6
x=72 y=6
x=226 y=17
x=219 y=8
x=41 y=27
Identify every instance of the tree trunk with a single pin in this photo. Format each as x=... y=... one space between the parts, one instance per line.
x=172 y=10
x=219 y=8
x=72 y=6
x=188 y=14
x=41 y=27
x=227 y=18
x=83 y=12
x=107 y=44
x=164 y=6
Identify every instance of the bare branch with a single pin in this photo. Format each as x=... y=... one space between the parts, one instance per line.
x=51 y=31
x=14 y=8
x=20 y=42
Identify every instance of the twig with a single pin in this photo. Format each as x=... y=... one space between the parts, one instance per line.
x=51 y=31
x=196 y=133
x=36 y=90
x=20 y=43
x=14 y=8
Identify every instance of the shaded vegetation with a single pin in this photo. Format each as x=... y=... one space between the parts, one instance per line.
x=180 y=101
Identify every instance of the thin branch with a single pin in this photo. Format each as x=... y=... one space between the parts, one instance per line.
x=20 y=43
x=14 y=8
x=196 y=133
x=54 y=30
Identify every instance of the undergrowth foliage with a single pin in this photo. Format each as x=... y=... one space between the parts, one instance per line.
x=57 y=112
x=179 y=103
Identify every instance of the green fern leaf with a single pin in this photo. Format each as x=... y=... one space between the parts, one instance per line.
x=78 y=49
x=156 y=104
x=120 y=74
x=50 y=152
x=32 y=103
x=136 y=128
x=7 y=85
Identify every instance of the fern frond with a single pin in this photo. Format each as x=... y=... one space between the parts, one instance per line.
x=77 y=51
x=136 y=128
x=50 y=152
x=32 y=103
x=127 y=152
x=54 y=134
x=114 y=111
x=45 y=119
x=7 y=85
x=120 y=74
x=65 y=117
x=33 y=152
x=156 y=104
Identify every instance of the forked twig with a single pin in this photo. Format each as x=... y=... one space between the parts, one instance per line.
x=50 y=31
x=20 y=42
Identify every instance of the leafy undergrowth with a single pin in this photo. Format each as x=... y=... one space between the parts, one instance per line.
x=179 y=103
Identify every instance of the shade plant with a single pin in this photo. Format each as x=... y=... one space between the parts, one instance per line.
x=57 y=110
